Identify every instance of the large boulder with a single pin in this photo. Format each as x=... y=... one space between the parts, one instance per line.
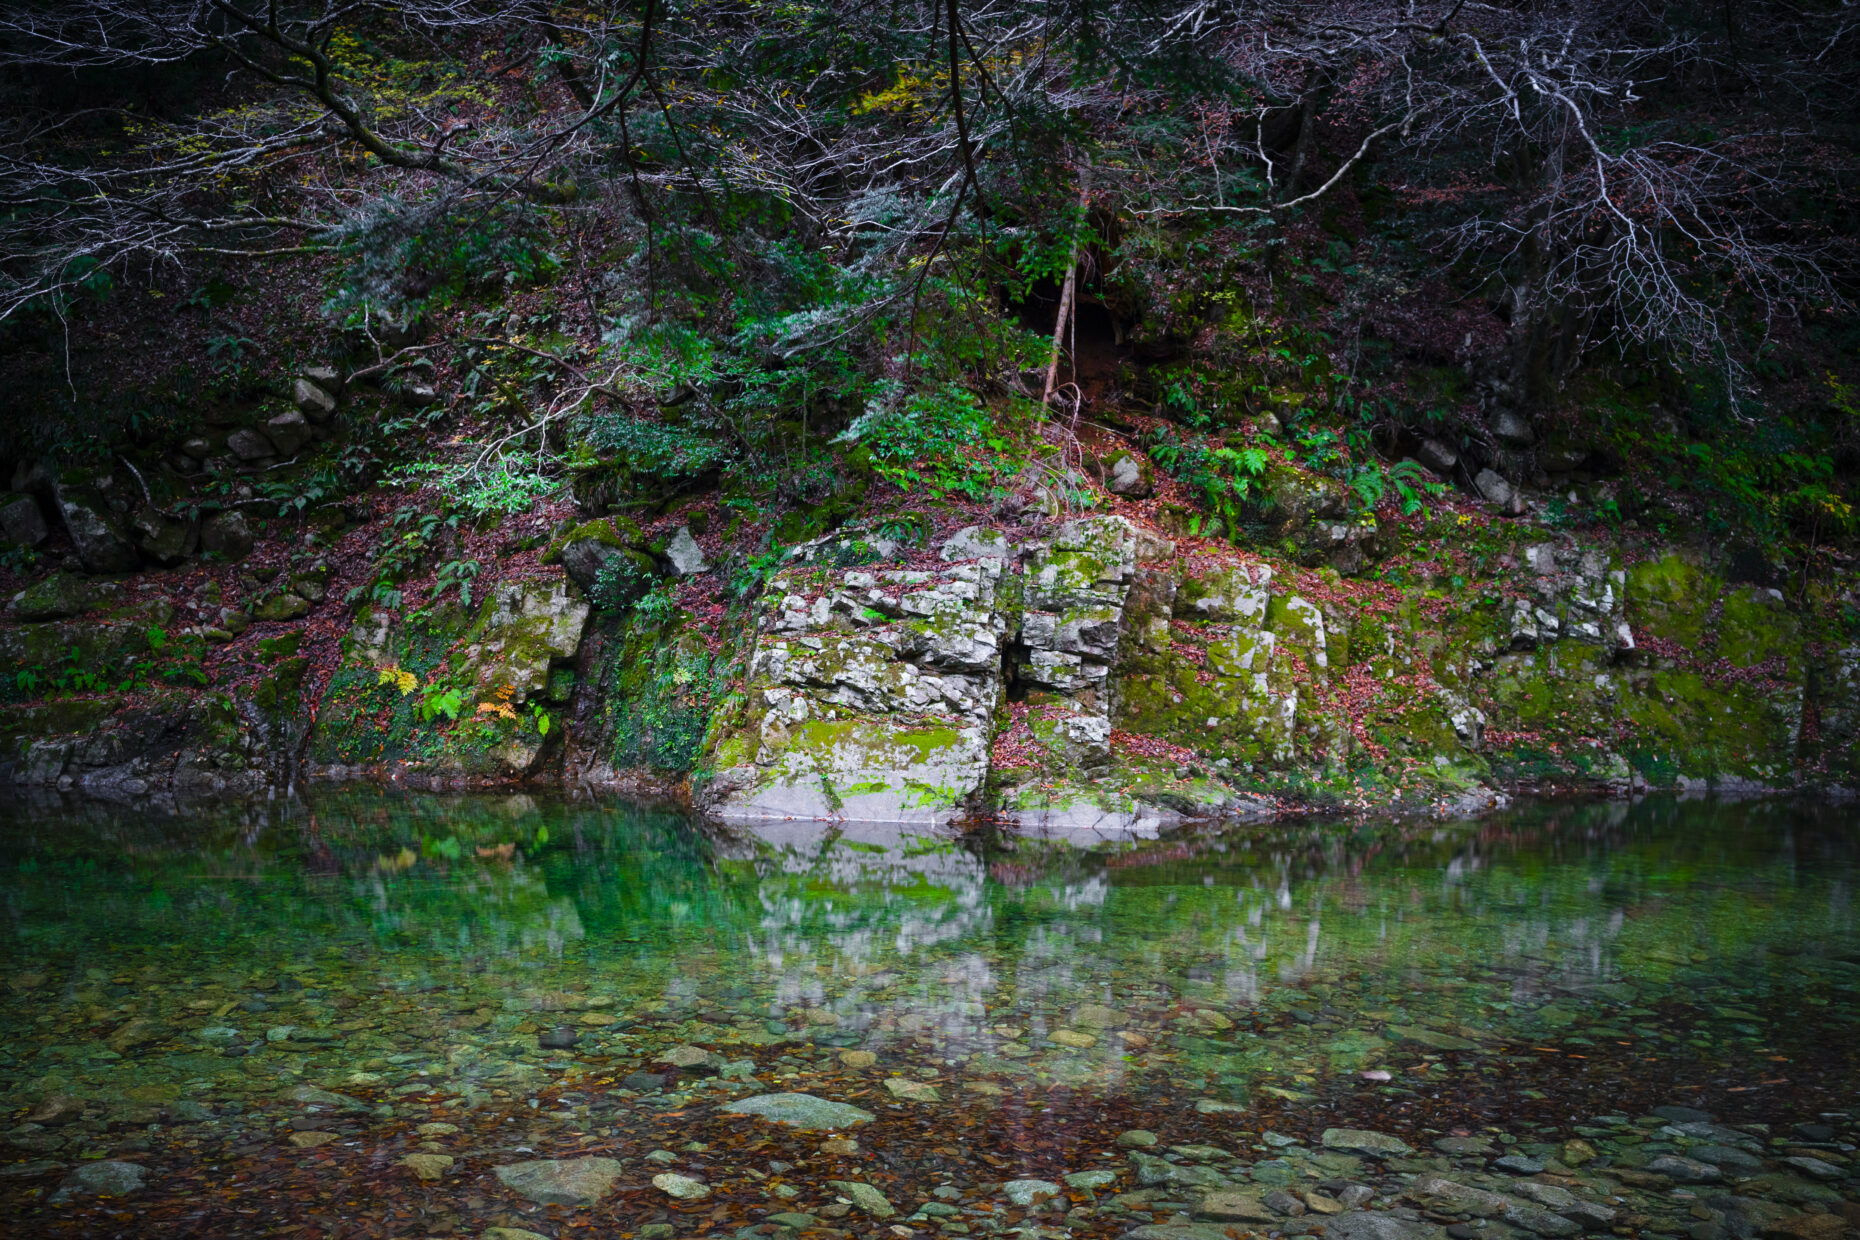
x=226 y=536
x=288 y=432
x=1493 y=486
x=1512 y=428
x=1438 y=457
x=1299 y=498
x=1128 y=474
x=603 y=557
x=684 y=554
x=284 y=605
x=22 y=522
x=1561 y=455
x=312 y=400
x=160 y=537
x=248 y=445
x=56 y=598
x=99 y=540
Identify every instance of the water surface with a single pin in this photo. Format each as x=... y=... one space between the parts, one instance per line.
x=176 y=978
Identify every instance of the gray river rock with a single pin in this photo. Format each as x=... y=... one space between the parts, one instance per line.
x=568 y=1182
x=802 y=1111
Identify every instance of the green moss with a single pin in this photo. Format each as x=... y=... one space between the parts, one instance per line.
x=1426 y=737
x=1299 y=624
x=922 y=745
x=283 y=646
x=1671 y=598
x=35 y=658
x=1249 y=726
x=616 y=531
x=1753 y=627
x=1702 y=728
x=658 y=685
x=278 y=691
x=57 y=718
x=361 y=720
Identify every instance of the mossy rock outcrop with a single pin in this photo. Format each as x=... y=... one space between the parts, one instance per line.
x=458 y=693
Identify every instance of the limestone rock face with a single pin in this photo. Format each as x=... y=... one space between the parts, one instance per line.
x=499 y=666
x=977 y=542
x=1579 y=595
x=1085 y=677
x=524 y=628
x=873 y=690
x=1072 y=622
x=1299 y=498
x=1227 y=679
x=870 y=692
x=1349 y=546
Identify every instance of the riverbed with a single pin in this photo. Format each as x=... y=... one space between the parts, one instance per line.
x=371 y=1014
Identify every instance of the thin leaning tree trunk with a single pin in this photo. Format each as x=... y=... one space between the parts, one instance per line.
x=1067 y=294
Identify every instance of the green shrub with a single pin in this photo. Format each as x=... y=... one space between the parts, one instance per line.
x=942 y=440
x=404 y=260
x=1222 y=477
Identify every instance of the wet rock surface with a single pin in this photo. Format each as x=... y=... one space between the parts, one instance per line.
x=802 y=1111
x=569 y=1182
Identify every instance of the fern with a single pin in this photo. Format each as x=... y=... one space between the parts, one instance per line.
x=1222 y=477
x=1369 y=485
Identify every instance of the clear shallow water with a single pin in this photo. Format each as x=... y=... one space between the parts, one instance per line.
x=1532 y=968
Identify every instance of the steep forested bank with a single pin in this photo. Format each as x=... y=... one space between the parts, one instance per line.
x=1065 y=409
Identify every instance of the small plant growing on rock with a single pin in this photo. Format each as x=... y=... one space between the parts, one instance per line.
x=400 y=678
x=439 y=700
x=455 y=574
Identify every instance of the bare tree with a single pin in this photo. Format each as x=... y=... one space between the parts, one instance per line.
x=1524 y=128
x=892 y=134
x=171 y=188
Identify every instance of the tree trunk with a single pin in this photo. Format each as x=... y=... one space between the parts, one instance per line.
x=1067 y=295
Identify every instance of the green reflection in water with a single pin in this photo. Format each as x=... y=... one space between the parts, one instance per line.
x=377 y=942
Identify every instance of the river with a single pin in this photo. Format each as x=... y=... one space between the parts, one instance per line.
x=342 y=1016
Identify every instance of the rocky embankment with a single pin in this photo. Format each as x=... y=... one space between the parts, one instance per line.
x=1098 y=676
x=1082 y=671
